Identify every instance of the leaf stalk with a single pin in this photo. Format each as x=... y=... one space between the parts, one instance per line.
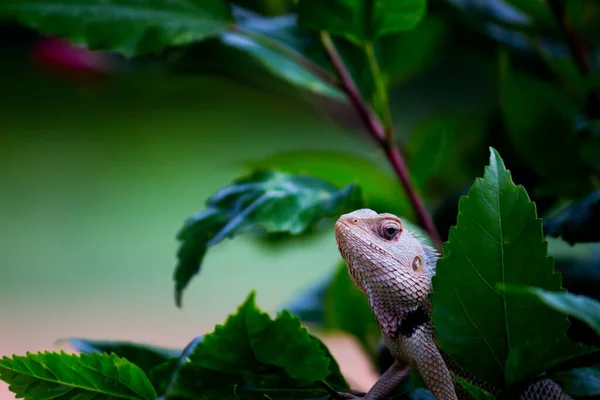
x=381 y=93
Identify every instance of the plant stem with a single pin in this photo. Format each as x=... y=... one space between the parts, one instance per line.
x=289 y=52
x=578 y=51
x=380 y=93
x=377 y=132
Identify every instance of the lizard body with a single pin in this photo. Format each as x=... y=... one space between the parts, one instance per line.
x=393 y=269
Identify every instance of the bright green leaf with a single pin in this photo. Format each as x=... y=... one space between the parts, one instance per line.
x=475 y=391
x=497 y=239
x=581 y=307
x=50 y=375
x=580 y=382
x=254 y=354
x=530 y=359
x=274 y=201
x=379 y=186
x=251 y=341
x=127 y=26
x=361 y=20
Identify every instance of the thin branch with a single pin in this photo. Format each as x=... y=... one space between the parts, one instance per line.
x=366 y=115
x=578 y=50
x=289 y=52
x=377 y=132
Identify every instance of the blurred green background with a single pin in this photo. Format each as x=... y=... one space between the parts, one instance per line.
x=96 y=181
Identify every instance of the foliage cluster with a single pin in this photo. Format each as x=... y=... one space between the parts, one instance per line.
x=500 y=310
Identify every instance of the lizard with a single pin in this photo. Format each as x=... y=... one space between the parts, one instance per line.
x=393 y=268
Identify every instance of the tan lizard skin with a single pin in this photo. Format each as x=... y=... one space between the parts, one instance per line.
x=394 y=269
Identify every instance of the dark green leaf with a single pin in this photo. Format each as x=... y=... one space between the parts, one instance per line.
x=475 y=391
x=438 y=142
x=273 y=201
x=52 y=375
x=162 y=374
x=577 y=223
x=580 y=382
x=403 y=56
x=144 y=356
x=540 y=120
x=126 y=26
x=581 y=307
x=253 y=355
x=361 y=20
x=497 y=239
x=531 y=359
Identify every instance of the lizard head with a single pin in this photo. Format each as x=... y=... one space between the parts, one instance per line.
x=380 y=251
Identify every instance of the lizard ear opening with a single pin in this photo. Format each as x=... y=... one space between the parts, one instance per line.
x=431 y=257
x=417 y=264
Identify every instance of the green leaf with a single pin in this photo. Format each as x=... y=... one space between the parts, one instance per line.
x=270 y=41
x=280 y=65
x=580 y=382
x=497 y=239
x=162 y=374
x=540 y=120
x=437 y=144
x=378 y=185
x=255 y=355
x=581 y=307
x=405 y=55
x=53 y=375
x=475 y=391
x=144 y=356
x=127 y=26
x=361 y=20
x=533 y=358
x=273 y=201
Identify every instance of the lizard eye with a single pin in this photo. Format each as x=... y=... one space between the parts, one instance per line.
x=417 y=264
x=390 y=231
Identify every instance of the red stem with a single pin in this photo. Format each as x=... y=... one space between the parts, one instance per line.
x=377 y=132
x=395 y=158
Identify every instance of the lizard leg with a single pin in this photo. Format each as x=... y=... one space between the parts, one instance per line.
x=435 y=373
x=387 y=382
x=390 y=379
